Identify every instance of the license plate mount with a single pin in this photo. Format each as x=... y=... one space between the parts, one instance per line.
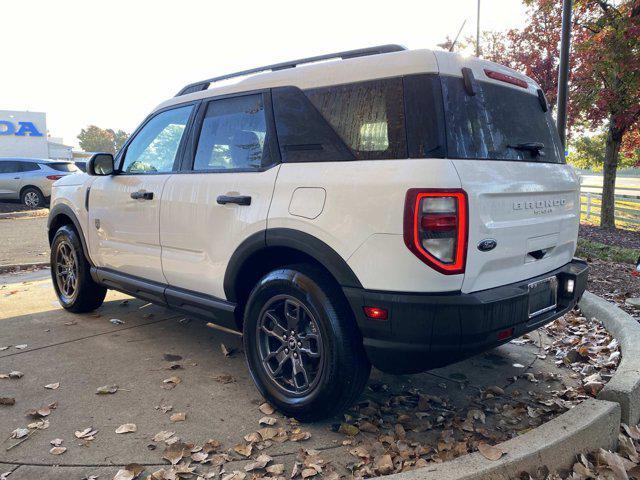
x=543 y=296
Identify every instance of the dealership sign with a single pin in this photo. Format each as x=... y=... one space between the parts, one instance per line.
x=19 y=129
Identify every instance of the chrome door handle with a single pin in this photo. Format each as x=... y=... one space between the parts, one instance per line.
x=142 y=195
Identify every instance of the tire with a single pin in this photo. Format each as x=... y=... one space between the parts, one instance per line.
x=32 y=197
x=76 y=290
x=333 y=381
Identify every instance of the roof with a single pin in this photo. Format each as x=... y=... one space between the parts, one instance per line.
x=348 y=70
x=33 y=160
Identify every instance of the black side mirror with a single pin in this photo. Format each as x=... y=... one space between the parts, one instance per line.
x=100 y=164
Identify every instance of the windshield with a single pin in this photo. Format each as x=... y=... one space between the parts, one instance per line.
x=498 y=123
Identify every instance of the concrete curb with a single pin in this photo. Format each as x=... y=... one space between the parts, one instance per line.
x=624 y=386
x=22 y=266
x=591 y=425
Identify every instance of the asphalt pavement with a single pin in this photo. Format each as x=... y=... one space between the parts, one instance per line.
x=138 y=347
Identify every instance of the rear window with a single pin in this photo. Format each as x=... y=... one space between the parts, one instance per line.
x=63 y=167
x=498 y=123
x=368 y=116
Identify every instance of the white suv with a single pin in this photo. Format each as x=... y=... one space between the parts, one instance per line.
x=399 y=208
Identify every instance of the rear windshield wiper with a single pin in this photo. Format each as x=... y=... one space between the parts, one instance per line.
x=534 y=147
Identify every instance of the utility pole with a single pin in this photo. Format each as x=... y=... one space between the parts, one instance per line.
x=563 y=74
x=478 y=32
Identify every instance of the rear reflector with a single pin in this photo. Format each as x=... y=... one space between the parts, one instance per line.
x=376 y=313
x=504 y=334
x=435 y=228
x=54 y=177
x=503 y=77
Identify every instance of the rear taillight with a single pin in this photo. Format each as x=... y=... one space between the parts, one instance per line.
x=435 y=228
x=54 y=177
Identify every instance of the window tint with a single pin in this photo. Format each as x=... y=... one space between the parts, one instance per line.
x=26 y=167
x=497 y=123
x=368 y=116
x=154 y=148
x=8 y=166
x=233 y=135
x=63 y=167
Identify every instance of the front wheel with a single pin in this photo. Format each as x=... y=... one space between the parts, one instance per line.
x=70 y=273
x=303 y=347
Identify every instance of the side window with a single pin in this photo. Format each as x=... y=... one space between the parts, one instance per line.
x=369 y=116
x=28 y=166
x=8 y=166
x=233 y=135
x=154 y=148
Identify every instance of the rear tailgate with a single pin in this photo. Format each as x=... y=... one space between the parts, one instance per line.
x=503 y=142
x=531 y=210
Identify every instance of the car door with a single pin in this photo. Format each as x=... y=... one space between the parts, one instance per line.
x=9 y=179
x=223 y=196
x=124 y=208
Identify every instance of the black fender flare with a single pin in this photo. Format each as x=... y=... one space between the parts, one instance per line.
x=296 y=240
x=62 y=209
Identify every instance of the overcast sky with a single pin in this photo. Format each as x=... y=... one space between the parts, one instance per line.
x=109 y=63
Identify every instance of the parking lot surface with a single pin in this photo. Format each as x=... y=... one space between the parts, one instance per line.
x=138 y=347
x=23 y=240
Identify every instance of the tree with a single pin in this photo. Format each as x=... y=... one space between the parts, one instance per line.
x=607 y=79
x=96 y=139
x=588 y=152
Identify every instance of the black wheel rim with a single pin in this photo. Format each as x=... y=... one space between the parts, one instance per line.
x=290 y=345
x=66 y=270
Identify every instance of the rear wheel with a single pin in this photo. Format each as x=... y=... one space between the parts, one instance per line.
x=32 y=197
x=70 y=273
x=303 y=347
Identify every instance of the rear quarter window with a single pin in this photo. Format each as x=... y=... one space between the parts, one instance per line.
x=368 y=116
x=63 y=167
x=491 y=124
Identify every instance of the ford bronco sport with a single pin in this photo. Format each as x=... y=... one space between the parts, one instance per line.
x=402 y=209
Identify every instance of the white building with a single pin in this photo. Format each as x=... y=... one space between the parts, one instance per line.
x=24 y=134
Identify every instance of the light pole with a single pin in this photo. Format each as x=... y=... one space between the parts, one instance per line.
x=478 y=31
x=563 y=73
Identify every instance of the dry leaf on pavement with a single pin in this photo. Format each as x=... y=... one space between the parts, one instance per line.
x=267 y=409
x=57 y=450
x=178 y=417
x=127 y=428
x=267 y=421
x=107 y=389
x=52 y=386
x=490 y=452
x=7 y=401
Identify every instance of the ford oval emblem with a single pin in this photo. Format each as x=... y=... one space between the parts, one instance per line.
x=487 y=244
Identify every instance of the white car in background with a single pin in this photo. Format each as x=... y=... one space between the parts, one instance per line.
x=29 y=180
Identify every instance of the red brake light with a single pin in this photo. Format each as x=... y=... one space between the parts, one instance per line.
x=54 y=177
x=435 y=228
x=503 y=77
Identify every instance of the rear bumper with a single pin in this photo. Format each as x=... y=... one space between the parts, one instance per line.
x=426 y=331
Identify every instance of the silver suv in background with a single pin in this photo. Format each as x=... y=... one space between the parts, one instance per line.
x=29 y=179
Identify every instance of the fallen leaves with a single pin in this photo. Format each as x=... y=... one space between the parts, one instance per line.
x=267 y=421
x=7 y=401
x=171 y=382
x=178 y=417
x=20 y=433
x=267 y=409
x=57 y=450
x=127 y=428
x=129 y=472
x=490 y=452
x=86 y=434
x=224 y=378
x=52 y=386
x=174 y=453
x=107 y=390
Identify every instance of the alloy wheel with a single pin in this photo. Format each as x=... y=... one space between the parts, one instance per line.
x=290 y=345
x=66 y=270
x=31 y=199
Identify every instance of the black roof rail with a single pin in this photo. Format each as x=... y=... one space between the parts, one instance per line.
x=361 y=52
